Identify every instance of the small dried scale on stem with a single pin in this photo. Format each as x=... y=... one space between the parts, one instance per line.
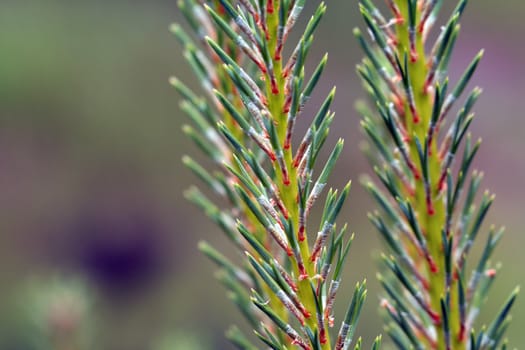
x=285 y=284
x=429 y=218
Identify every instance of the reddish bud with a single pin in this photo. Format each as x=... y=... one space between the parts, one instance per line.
x=269 y=6
x=462 y=333
x=384 y=303
x=413 y=56
x=430 y=207
x=490 y=273
x=275 y=88
x=435 y=317
x=286 y=179
x=278 y=51
x=301 y=235
x=322 y=336
x=433 y=267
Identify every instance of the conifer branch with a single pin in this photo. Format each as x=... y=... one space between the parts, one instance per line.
x=287 y=278
x=430 y=220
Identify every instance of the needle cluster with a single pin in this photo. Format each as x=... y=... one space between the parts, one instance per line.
x=422 y=154
x=287 y=279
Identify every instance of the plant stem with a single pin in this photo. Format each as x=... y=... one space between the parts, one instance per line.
x=431 y=214
x=289 y=187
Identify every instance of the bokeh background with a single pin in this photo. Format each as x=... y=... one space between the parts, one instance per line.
x=91 y=208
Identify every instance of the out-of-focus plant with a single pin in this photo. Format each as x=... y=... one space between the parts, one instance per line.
x=429 y=219
x=181 y=340
x=57 y=315
x=286 y=280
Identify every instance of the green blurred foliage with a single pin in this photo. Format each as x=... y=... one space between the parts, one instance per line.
x=181 y=340
x=56 y=314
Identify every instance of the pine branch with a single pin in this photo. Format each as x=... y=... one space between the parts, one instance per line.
x=430 y=220
x=287 y=280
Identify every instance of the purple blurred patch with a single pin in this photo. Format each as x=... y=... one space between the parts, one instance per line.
x=120 y=253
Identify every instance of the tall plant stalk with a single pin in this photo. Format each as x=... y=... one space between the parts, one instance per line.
x=286 y=278
x=423 y=156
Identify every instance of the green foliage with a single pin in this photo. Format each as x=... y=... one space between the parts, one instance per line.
x=429 y=218
x=284 y=285
x=181 y=340
x=57 y=314
x=287 y=280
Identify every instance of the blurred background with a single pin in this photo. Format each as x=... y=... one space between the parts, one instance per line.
x=94 y=229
